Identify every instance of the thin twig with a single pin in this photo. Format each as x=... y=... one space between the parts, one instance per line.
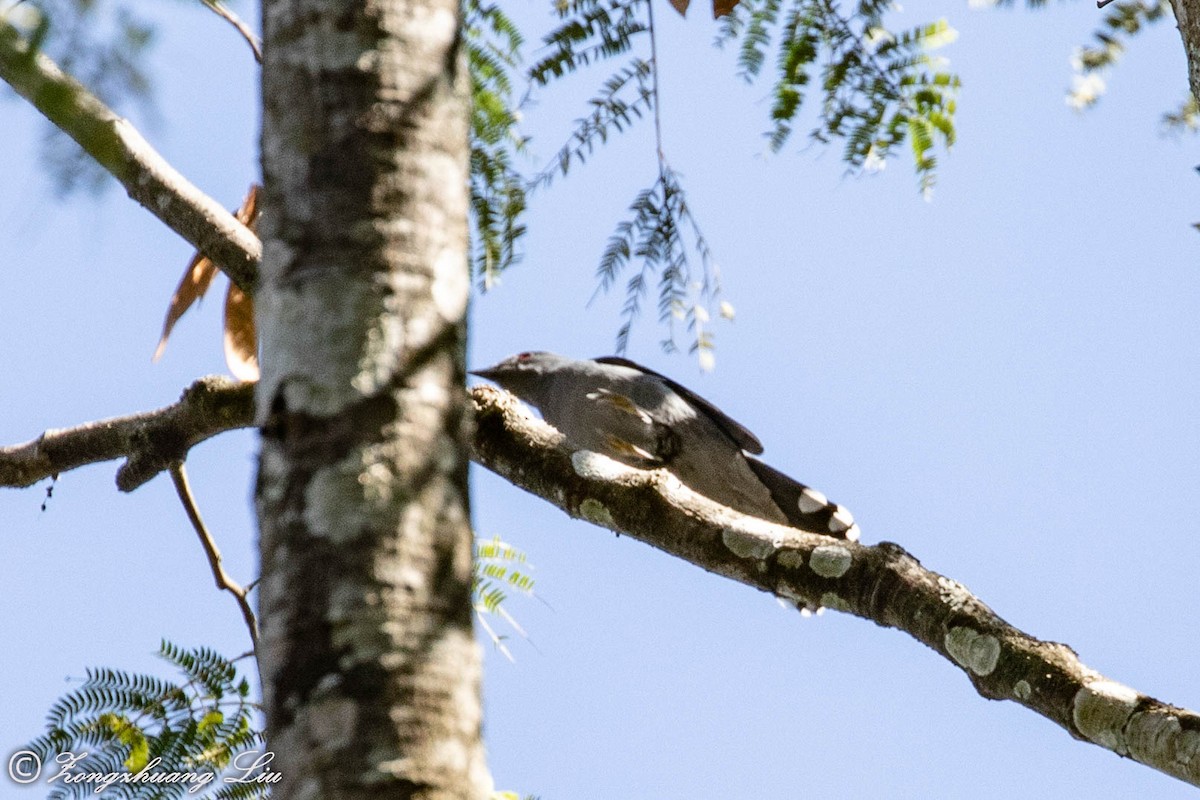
x=233 y=19
x=658 y=138
x=220 y=576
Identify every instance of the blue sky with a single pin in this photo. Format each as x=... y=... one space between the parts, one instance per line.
x=1003 y=380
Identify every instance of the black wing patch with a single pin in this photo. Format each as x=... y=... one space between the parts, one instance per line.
x=734 y=429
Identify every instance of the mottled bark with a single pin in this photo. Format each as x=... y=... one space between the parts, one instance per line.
x=369 y=665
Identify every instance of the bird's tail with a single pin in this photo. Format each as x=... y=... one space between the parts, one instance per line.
x=805 y=508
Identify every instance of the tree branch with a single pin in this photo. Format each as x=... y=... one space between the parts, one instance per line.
x=1187 y=17
x=150 y=442
x=881 y=583
x=220 y=576
x=120 y=149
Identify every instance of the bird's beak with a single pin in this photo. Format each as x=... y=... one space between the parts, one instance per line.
x=487 y=374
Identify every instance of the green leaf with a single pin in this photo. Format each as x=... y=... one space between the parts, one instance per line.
x=209 y=720
x=123 y=721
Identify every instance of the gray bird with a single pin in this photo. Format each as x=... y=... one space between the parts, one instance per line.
x=634 y=415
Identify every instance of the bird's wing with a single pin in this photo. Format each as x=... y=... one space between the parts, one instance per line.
x=663 y=440
x=732 y=428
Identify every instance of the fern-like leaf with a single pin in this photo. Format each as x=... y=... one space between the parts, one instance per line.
x=653 y=235
x=498 y=189
x=623 y=98
x=126 y=723
x=499 y=568
x=590 y=31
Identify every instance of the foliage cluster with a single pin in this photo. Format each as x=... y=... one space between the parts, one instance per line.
x=121 y=724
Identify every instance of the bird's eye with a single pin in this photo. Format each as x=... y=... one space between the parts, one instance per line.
x=523 y=357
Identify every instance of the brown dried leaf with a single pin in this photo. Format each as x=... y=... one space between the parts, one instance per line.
x=723 y=7
x=249 y=211
x=681 y=6
x=241 y=340
x=196 y=279
x=200 y=272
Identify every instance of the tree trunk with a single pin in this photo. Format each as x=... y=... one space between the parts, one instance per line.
x=370 y=669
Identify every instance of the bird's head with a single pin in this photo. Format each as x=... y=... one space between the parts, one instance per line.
x=524 y=374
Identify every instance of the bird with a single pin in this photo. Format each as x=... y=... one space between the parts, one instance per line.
x=641 y=418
